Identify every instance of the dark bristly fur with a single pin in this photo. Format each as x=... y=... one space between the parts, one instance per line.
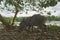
x=35 y=20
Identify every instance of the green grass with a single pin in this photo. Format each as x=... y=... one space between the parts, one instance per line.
x=54 y=27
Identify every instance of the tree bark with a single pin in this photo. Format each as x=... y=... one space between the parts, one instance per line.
x=14 y=17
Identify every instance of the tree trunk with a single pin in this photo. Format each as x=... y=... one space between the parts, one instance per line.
x=7 y=24
x=14 y=17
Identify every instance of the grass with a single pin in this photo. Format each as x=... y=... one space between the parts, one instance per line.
x=54 y=27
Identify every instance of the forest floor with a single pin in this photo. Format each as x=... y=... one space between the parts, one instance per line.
x=36 y=34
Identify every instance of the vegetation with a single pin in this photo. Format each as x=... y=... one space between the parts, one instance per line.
x=53 y=18
x=19 y=6
x=18 y=19
x=45 y=33
x=54 y=27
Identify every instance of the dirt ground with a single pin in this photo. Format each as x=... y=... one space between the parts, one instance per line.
x=36 y=34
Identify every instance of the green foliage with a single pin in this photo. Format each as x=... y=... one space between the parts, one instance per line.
x=53 y=18
x=54 y=27
x=42 y=3
x=49 y=13
x=58 y=0
x=47 y=3
x=15 y=3
x=9 y=19
x=18 y=19
x=1 y=0
x=49 y=18
x=32 y=2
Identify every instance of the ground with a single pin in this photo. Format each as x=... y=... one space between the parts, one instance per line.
x=36 y=34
